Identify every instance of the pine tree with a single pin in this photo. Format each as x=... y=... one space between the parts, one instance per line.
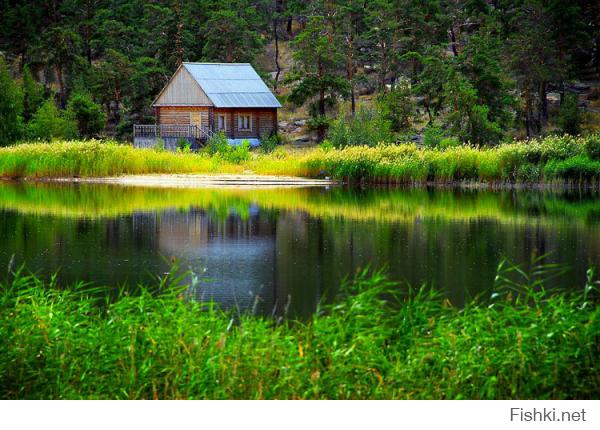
x=318 y=61
x=33 y=94
x=11 y=107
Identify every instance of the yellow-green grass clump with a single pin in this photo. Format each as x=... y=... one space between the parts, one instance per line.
x=561 y=159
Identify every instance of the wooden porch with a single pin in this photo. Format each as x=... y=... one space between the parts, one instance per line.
x=147 y=136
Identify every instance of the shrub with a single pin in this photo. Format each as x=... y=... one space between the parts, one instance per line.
x=449 y=142
x=578 y=169
x=11 y=107
x=528 y=172
x=592 y=147
x=397 y=106
x=33 y=94
x=183 y=145
x=569 y=118
x=238 y=153
x=269 y=143
x=326 y=145
x=88 y=115
x=319 y=123
x=159 y=145
x=49 y=123
x=218 y=146
x=432 y=136
x=366 y=128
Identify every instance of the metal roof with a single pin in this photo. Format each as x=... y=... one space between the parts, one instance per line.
x=230 y=85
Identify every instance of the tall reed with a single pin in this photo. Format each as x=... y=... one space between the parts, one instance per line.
x=378 y=340
x=555 y=159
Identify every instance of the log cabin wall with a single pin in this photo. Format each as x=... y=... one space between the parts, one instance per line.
x=181 y=115
x=263 y=122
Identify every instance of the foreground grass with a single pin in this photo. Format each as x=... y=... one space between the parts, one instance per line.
x=378 y=341
x=553 y=159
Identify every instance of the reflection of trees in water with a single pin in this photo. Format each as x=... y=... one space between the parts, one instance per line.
x=277 y=254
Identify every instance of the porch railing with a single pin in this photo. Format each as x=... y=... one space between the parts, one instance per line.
x=154 y=131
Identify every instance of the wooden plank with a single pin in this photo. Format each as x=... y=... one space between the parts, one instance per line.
x=183 y=90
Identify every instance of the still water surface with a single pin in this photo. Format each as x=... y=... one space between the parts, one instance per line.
x=291 y=248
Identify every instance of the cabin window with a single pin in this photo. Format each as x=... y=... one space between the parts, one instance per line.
x=244 y=122
x=221 y=122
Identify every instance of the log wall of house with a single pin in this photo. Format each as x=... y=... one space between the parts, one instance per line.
x=263 y=121
x=180 y=115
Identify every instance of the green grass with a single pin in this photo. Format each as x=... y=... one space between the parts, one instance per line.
x=556 y=159
x=378 y=340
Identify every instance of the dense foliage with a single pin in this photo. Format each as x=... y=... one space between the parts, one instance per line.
x=379 y=340
x=482 y=70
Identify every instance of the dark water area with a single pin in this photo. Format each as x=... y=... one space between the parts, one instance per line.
x=277 y=249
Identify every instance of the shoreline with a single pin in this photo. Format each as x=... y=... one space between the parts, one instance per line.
x=249 y=181
x=179 y=180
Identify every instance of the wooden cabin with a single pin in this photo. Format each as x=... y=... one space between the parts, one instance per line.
x=201 y=99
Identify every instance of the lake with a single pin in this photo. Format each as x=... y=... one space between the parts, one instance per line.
x=282 y=251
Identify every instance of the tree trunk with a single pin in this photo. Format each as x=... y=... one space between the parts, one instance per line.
x=544 y=100
x=453 y=41
x=527 y=114
x=428 y=110
x=61 y=86
x=383 y=67
x=350 y=73
x=277 y=65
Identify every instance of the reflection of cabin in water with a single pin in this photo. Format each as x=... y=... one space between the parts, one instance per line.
x=201 y=99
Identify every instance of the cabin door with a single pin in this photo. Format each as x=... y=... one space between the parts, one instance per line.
x=196 y=119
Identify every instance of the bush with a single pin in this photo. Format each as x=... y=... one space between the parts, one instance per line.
x=397 y=106
x=592 y=147
x=449 y=142
x=569 y=118
x=33 y=94
x=269 y=143
x=88 y=115
x=11 y=107
x=183 y=145
x=576 y=169
x=432 y=136
x=49 y=123
x=238 y=153
x=366 y=128
x=219 y=146
x=528 y=172
x=319 y=123
x=159 y=145
x=435 y=138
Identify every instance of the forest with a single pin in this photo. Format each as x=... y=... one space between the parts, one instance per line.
x=472 y=71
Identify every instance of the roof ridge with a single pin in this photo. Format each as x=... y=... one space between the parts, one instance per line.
x=218 y=64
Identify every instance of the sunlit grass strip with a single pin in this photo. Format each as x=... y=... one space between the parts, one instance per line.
x=561 y=159
x=380 y=340
x=97 y=159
